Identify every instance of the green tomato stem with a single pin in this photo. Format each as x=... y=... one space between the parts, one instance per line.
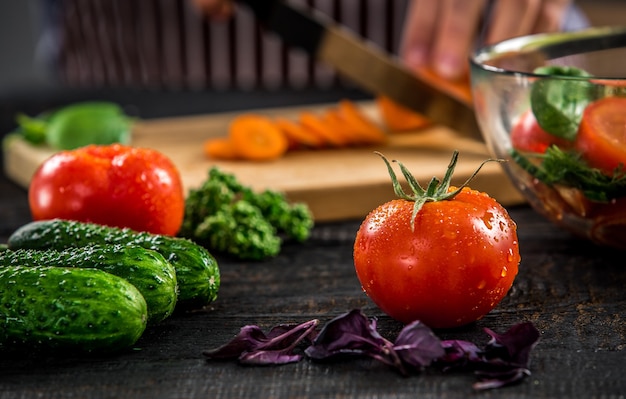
x=437 y=190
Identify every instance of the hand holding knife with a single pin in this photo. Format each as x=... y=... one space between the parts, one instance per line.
x=363 y=63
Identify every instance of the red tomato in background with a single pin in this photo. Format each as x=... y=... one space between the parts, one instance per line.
x=527 y=135
x=455 y=266
x=601 y=135
x=113 y=185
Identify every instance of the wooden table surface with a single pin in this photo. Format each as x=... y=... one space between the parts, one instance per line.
x=574 y=293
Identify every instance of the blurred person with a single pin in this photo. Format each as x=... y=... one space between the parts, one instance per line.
x=442 y=33
x=169 y=43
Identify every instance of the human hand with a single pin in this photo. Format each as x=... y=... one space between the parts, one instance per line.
x=441 y=33
x=215 y=9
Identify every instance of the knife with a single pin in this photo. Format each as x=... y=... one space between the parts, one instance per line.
x=363 y=62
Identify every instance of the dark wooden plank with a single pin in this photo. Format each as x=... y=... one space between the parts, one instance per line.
x=572 y=290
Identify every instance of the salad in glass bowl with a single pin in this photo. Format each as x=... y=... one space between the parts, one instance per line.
x=554 y=106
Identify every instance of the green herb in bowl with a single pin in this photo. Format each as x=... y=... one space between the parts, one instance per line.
x=554 y=105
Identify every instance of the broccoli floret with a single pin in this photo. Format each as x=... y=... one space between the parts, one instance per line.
x=239 y=229
x=293 y=220
x=228 y=217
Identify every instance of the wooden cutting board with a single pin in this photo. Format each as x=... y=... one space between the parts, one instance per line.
x=336 y=183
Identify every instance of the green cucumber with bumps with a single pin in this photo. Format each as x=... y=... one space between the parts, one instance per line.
x=197 y=271
x=146 y=269
x=57 y=308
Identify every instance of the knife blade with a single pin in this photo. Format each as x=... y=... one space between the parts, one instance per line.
x=364 y=63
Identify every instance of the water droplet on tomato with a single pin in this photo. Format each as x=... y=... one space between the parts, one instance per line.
x=407 y=260
x=503 y=226
x=510 y=256
x=504 y=272
x=450 y=234
x=482 y=284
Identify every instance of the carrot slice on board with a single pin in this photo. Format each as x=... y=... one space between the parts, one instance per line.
x=256 y=138
x=398 y=118
x=219 y=148
x=335 y=122
x=355 y=117
x=295 y=133
x=313 y=122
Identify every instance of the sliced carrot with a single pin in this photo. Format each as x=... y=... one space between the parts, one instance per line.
x=372 y=133
x=315 y=124
x=335 y=122
x=398 y=118
x=295 y=133
x=256 y=138
x=219 y=148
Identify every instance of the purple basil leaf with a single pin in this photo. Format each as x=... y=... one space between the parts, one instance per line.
x=417 y=345
x=349 y=333
x=504 y=360
x=269 y=357
x=280 y=329
x=506 y=357
x=249 y=337
x=459 y=354
x=517 y=343
x=285 y=336
x=252 y=346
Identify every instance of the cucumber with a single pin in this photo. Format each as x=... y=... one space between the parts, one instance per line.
x=197 y=271
x=58 y=308
x=146 y=269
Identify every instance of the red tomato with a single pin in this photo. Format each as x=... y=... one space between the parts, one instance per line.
x=452 y=268
x=113 y=185
x=601 y=136
x=527 y=135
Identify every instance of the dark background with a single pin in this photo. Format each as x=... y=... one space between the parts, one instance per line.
x=20 y=24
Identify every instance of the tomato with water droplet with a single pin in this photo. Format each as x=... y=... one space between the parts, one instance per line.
x=447 y=265
x=113 y=185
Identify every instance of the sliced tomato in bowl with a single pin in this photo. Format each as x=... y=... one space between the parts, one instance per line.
x=601 y=136
x=527 y=135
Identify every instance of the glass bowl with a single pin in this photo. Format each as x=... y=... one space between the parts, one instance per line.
x=554 y=106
